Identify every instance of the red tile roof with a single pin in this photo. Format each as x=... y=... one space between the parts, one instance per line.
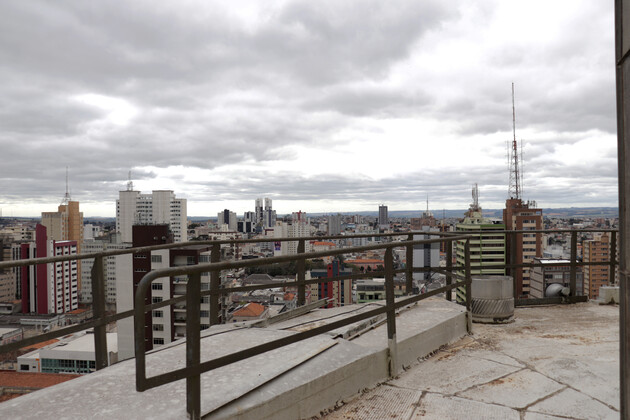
x=252 y=309
x=11 y=378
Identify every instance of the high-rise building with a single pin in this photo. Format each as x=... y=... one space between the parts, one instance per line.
x=334 y=224
x=487 y=244
x=596 y=276
x=130 y=269
x=258 y=210
x=66 y=224
x=99 y=245
x=269 y=216
x=383 y=217
x=49 y=288
x=228 y=218
x=518 y=215
x=159 y=207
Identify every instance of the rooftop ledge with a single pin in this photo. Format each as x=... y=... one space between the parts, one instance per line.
x=553 y=362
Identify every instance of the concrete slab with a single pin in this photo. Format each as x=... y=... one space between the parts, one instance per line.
x=440 y=407
x=383 y=402
x=517 y=390
x=449 y=375
x=575 y=405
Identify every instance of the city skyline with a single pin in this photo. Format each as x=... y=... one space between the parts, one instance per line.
x=312 y=105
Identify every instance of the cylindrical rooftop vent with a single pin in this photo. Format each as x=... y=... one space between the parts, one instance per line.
x=492 y=299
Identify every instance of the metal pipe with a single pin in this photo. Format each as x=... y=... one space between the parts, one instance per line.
x=193 y=382
x=98 y=308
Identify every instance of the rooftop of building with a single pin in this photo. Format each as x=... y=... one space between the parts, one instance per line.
x=251 y=309
x=551 y=363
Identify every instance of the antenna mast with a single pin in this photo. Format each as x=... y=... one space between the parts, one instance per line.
x=129 y=183
x=514 y=190
x=66 y=198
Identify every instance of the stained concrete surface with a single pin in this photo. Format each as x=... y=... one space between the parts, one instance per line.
x=551 y=363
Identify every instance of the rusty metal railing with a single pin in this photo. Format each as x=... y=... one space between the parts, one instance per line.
x=458 y=275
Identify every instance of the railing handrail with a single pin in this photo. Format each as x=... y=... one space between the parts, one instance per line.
x=193 y=291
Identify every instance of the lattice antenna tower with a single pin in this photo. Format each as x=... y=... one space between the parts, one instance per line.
x=514 y=190
x=66 y=197
x=129 y=183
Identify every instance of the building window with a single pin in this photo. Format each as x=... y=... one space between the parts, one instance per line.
x=204 y=314
x=191 y=260
x=158 y=314
x=156 y=258
x=158 y=327
x=158 y=341
x=156 y=299
x=156 y=286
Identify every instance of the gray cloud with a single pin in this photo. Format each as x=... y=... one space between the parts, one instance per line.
x=211 y=89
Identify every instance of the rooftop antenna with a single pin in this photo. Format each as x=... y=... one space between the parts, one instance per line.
x=66 y=198
x=514 y=190
x=129 y=183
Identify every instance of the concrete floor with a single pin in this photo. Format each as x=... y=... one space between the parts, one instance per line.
x=552 y=362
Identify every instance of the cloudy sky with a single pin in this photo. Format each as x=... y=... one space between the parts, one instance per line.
x=319 y=105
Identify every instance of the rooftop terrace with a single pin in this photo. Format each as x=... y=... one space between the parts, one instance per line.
x=551 y=363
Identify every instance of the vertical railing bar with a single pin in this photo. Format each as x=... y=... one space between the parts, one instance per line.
x=573 y=272
x=193 y=383
x=98 y=306
x=513 y=270
x=140 y=337
x=391 y=312
x=409 y=273
x=449 y=268
x=613 y=259
x=468 y=275
x=215 y=284
x=468 y=286
x=301 y=275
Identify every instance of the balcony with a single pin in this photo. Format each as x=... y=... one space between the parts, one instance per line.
x=305 y=361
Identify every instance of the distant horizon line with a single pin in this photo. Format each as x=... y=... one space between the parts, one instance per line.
x=436 y=213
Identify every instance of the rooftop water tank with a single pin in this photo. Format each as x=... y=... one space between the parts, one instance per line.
x=492 y=299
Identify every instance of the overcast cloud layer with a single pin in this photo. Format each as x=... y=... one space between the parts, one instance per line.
x=321 y=106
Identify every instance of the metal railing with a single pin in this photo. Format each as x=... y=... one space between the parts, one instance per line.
x=458 y=275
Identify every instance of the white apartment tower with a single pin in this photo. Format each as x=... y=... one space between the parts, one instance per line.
x=161 y=206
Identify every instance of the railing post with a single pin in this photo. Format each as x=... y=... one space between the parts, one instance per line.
x=613 y=259
x=468 y=285
x=391 y=312
x=513 y=269
x=301 y=275
x=573 y=273
x=409 y=273
x=215 y=284
x=449 y=269
x=98 y=308
x=193 y=383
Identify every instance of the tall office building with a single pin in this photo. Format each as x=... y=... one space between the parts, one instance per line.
x=159 y=207
x=99 y=245
x=258 y=210
x=269 y=215
x=596 y=276
x=334 y=224
x=383 y=217
x=227 y=218
x=518 y=215
x=425 y=255
x=66 y=224
x=487 y=245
